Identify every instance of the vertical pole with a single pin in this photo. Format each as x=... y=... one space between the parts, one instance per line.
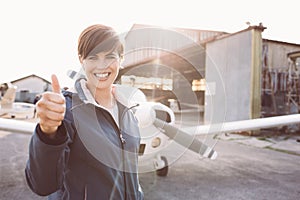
x=256 y=71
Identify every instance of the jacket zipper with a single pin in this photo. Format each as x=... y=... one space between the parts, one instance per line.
x=122 y=141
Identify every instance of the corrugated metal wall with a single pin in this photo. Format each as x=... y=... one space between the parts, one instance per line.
x=275 y=53
x=147 y=42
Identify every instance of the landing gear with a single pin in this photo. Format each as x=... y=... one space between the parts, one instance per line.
x=163 y=171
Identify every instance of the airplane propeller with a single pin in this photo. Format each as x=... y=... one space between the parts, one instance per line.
x=149 y=114
x=185 y=139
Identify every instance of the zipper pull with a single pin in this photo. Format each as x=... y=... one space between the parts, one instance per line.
x=122 y=139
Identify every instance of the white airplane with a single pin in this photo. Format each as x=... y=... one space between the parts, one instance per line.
x=159 y=133
x=11 y=109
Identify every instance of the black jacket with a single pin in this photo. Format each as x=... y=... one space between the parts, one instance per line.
x=90 y=158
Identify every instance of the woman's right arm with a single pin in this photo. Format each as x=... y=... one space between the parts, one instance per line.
x=46 y=162
x=48 y=144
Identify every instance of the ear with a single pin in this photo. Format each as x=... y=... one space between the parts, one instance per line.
x=121 y=58
x=80 y=59
x=81 y=62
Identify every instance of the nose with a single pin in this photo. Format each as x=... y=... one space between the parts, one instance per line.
x=102 y=63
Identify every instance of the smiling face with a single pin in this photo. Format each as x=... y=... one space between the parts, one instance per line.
x=100 y=52
x=101 y=70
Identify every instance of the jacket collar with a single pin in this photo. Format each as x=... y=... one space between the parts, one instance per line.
x=122 y=95
x=84 y=93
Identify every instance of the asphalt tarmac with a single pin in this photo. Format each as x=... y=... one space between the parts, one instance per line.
x=243 y=170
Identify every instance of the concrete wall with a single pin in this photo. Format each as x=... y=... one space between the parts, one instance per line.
x=229 y=77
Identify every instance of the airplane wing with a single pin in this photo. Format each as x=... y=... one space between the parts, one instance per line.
x=186 y=136
x=244 y=125
x=183 y=136
x=17 y=126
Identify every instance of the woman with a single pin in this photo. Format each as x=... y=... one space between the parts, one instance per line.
x=85 y=145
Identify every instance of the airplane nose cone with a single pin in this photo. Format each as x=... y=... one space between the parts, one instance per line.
x=145 y=115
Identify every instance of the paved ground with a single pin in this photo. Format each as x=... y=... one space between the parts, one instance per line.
x=246 y=168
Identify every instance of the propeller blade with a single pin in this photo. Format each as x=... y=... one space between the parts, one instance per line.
x=185 y=139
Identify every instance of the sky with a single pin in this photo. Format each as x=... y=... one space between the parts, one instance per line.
x=40 y=37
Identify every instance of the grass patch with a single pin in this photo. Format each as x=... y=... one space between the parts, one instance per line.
x=265 y=139
x=283 y=151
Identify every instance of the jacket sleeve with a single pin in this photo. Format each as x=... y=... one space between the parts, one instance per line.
x=46 y=162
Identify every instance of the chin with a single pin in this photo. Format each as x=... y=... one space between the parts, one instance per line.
x=104 y=84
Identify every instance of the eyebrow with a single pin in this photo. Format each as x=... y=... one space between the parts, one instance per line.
x=105 y=53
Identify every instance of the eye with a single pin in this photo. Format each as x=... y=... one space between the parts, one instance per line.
x=112 y=56
x=92 y=57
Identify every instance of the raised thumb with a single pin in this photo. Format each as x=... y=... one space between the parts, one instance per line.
x=55 y=84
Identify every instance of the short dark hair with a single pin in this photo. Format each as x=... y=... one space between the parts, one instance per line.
x=99 y=38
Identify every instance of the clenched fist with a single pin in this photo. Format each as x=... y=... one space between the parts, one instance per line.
x=51 y=109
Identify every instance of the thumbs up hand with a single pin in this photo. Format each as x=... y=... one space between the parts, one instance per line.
x=51 y=109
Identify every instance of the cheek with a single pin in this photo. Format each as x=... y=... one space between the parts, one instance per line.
x=116 y=66
x=116 y=71
x=88 y=68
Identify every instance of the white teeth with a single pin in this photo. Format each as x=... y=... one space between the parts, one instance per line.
x=102 y=75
